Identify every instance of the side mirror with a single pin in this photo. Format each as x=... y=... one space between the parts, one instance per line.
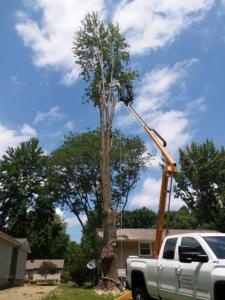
x=203 y=258
x=184 y=254
x=188 y=256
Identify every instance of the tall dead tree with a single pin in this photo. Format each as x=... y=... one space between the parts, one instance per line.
x=101 y=52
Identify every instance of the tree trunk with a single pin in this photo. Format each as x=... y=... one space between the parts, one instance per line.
x=109 y=247
x=109 y=216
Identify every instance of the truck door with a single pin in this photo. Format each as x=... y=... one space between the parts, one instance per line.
x=194 y=277
x=167 y=281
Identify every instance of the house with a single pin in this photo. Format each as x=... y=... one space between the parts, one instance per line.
x=13 y=257
x=138 y=242
x=33 y=269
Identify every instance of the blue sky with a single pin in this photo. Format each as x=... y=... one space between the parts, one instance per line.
x=178 y=48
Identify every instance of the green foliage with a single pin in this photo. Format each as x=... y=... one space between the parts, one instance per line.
x=27 y=201
x=101 y=52
x=77 y=256
x=201 y=183
x=76 y=170
x=65 y=277
x=146 y=218
x=181 y=219
x=47 y=237
x=138 y=218
x=23 y=176
x=91 y=242
x=46 y=268
x=76 y=260
x=127 y=163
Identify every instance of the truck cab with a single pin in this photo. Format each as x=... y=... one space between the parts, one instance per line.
x=189 y=266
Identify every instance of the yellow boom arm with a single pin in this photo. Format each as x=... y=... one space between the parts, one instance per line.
x=169 y=171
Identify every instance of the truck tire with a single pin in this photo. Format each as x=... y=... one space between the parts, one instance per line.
x=219 y=290
x=141 y=293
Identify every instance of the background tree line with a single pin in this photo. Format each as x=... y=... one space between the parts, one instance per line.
x=32 y=184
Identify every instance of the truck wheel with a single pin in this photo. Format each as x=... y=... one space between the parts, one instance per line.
x=140 y=293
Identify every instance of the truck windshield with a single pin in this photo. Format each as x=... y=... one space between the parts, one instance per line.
x=217 y=244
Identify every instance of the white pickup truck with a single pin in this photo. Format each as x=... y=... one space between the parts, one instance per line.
x=190 y=266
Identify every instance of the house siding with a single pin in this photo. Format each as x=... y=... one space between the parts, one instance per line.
x=5 y=258
x=34 y=275
x=125 y=249
x=13 y=253
x=21 y=266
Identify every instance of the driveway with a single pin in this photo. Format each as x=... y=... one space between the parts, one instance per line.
x=26 y=292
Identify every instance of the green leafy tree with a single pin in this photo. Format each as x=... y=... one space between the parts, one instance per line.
x=201 y=183
x=47 y=268
x=76 y=259
x=101 y=52
x=47 y=236
x=76 y=171
x=27 y=201
x=183 y=218
x=138 y=218
x=23 y=178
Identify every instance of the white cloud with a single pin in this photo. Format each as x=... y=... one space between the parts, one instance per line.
x=47 y=27
x=74 y=221
x=52 y=115
x=156 y=86
x=173 y=126
x=59 y=212
x=156 y=105
x=198 y=105
x=12 y=138
x=51 y=37
x=69 y=125
x=156 y=23
x=27 y=130
x=149 y=196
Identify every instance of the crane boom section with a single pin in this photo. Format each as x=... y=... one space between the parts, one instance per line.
x=165 y=153
x=169 y=170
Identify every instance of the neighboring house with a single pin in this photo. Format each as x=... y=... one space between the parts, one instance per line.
x=13 y=257
x=33 y=269
x=138 y=242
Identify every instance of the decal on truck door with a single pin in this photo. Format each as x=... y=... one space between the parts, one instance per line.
x=185 y=281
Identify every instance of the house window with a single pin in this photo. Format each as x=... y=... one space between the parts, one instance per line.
x=144 y=249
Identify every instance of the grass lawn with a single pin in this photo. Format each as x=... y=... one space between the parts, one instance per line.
x=73 y=293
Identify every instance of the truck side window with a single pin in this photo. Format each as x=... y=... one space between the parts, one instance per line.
x=193 y=244
x=169 y=248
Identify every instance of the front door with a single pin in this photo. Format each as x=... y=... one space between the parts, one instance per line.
x=167 y=282
x=193 y=278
